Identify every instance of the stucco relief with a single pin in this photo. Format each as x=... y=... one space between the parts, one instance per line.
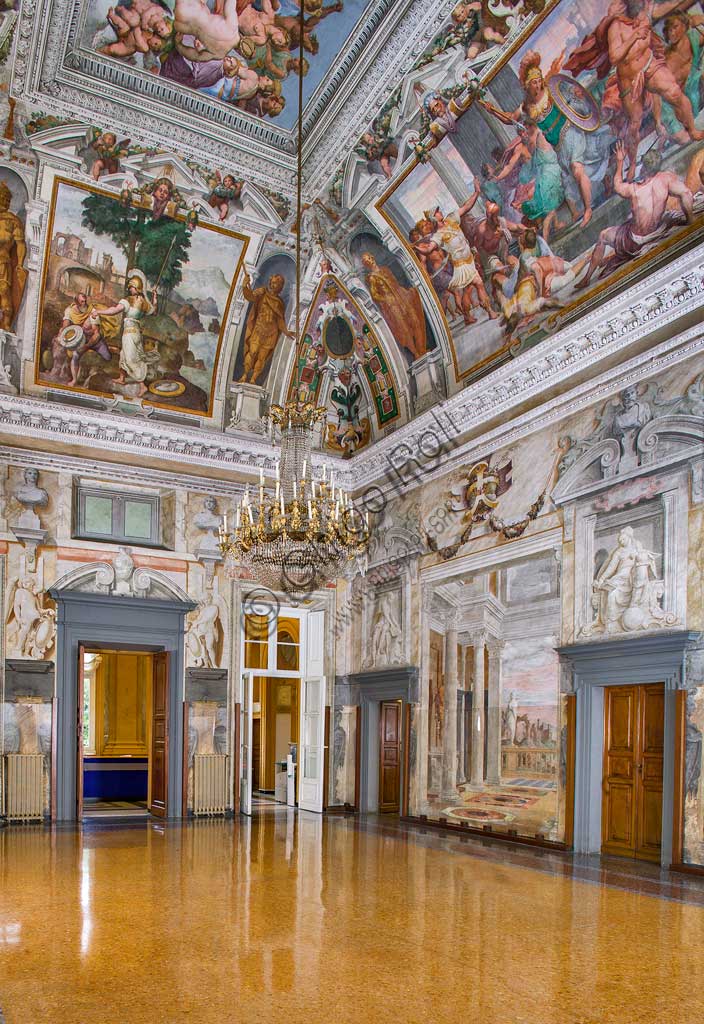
x=385 y=645
x=31 y=621
x=627 y=590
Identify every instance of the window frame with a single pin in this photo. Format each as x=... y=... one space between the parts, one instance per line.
x=271 y=670
x=119 y=500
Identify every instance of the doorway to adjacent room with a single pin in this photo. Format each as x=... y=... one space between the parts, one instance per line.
x=122 y=733
x=283 y=723
x=275 y=732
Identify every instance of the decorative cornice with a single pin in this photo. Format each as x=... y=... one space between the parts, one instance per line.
x=615 y=328
x=21 y=416
x=650 y=308
x=56 y=72
x=131 y=474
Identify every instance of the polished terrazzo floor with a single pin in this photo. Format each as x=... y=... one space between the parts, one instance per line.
x=294 y=918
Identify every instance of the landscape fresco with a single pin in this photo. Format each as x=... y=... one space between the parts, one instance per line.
x=238 y=52
x=561 y=177
x=135 y=299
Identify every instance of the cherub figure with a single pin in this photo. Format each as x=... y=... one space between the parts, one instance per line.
x=103 y=153
x=140 y=26
x=217 y=31
x=223 y=191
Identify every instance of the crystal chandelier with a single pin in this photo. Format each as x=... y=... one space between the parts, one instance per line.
x=301 y=536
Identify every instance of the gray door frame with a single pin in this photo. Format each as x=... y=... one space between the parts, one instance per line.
x=107 y=621
x=659 y=658
x=368 y=690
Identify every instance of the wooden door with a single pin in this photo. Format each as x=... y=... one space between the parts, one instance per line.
x=159 y=753
x=256 y=754
x=632 y=780
x=80 y=697
x=651 y=708
x=390 y=757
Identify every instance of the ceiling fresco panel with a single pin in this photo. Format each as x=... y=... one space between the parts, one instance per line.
x=242 y=53
x=540 y=189
x=135 y=297
x=477 y=178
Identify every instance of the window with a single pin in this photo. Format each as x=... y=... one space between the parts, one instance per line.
x=117 y=516
x=273 y=642
x=91 y=663
x=288 y=639
x=256 y=641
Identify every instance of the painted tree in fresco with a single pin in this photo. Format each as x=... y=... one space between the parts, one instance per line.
x=161 y=254
x=159 y=248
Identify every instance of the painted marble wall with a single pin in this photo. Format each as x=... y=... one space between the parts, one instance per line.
x=188 y=563
x=549 y=541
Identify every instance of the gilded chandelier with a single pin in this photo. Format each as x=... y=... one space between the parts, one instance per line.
x=303 y=534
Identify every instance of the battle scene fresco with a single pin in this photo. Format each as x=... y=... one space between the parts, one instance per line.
x=135 y=298
x=244 y=53
x=538 y=191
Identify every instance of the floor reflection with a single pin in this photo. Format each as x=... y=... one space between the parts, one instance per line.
x=291 y=916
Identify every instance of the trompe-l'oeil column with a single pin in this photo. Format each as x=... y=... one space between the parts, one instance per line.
x=493 y=725
x=478 y=724
x=449 y=736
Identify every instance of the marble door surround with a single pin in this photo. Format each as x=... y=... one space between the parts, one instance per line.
x=590 y=667
x=367 y=690
x=155 y=624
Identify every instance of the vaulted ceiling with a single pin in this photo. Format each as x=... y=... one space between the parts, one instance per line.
x=356 y=52
x=473 y=235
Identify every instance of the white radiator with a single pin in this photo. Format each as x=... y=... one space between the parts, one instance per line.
x=25 y=787
x=210 y=783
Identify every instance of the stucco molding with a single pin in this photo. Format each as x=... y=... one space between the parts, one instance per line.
x=651 y=308
x=55 y=71
x=23 y=416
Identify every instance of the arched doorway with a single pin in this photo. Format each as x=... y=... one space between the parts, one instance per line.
x=98 y=607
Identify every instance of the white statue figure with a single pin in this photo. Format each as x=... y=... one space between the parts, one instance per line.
x=509 y=719
x=32 y=626
x=634 y=412
x=387 y=636
x=5 y=368
x=30 y=495
x=209 y=521
x=627 y=591
x=204 y=635
x=123 y=564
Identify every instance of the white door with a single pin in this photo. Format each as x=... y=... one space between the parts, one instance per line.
x=311 y=761
x=312 y=752
x=246 y=729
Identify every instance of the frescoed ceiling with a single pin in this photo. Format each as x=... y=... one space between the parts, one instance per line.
x=237 y=99
x=484 y=184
